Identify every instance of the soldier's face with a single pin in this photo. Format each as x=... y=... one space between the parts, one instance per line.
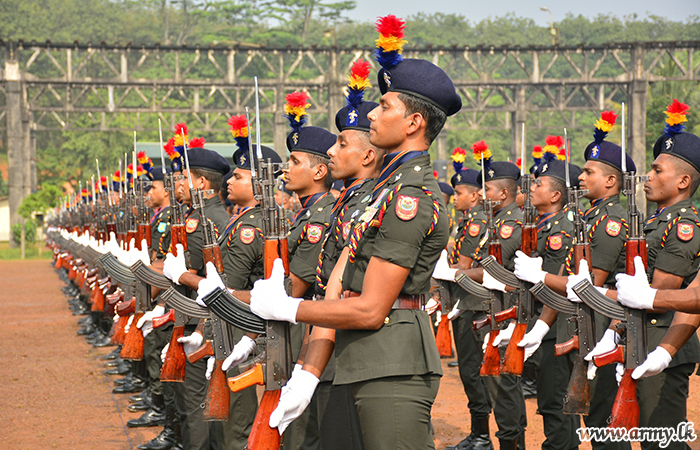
x=240 y=187
x=541 y=192
x=157 y=194
x=182 y=192
x=347 y=155
x=663 y=180
x=389 y=124
x=465 y=197
x=593 y=179
x=493 y=192
x=300 y=173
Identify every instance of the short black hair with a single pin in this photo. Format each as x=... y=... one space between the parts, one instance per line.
x=215 y=178
x=507 y=183
x=683 y=168
x=434 y=117
x=610 y=170
x=557 y=185
x=315 y=160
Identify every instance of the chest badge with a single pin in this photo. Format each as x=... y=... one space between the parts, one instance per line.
x=162 y=227
x=191 y=225
x=474 y=229
x=346 y=229
x=247 y=235
x=314 y=233
x=685 y=232
x=506 y=231
x=555 y=242
x=406 y=207
x=613 y=228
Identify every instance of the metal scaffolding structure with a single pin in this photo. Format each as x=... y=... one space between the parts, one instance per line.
x=45 y=86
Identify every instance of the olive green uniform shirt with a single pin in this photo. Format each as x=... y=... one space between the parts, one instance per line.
x=473 y=238
x=242 y=245
x=399 y=232
x=160 y=233
x=216 y=214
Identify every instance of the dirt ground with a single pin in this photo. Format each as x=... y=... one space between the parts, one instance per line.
x=54 y=394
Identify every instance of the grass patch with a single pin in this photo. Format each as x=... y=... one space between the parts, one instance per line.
x=31 y=252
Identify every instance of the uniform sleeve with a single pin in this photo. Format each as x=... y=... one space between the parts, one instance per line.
x=678 y=256
x=404 y=226
x=240 y=256
x=303 y=262
x=473 y=233
x=510 y=242
x=556 y=249
x=607 y=241
x=195 y=246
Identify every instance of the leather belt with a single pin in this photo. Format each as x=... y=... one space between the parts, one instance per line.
x=402 y=302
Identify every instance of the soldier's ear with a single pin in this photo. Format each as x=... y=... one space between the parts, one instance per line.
x=684 y=182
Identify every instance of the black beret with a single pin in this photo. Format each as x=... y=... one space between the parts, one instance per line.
x=424 y=80
x=350 y=118
x=557 y=169
x=224 y=183
x=156 y=174
x=314 y=140
x=501 y=169
x=685 y=146
x=241 y=157
x=608 y=153
x=201 y=158
x=446 y=188
x=466 y=176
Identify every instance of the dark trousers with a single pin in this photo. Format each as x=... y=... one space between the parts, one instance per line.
x=338 y=420
x=469 y=356
x=395 y=411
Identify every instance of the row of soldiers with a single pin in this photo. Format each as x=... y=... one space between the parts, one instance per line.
x=360 y=367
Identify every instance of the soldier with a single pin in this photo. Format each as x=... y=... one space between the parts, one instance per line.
x=470 y=231
x=386 y=349
x=501 y=185
x=673 y=249
x=606 y=222
x=554 y=240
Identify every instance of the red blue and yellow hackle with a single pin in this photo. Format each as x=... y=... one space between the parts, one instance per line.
x=676 y=114
x=239 y=130
x=551 y=149
x=180 y=129
x=358 y=82
x=390 y=41
x=481 y=149
x=537 y=154
x=459 y=155
x=295 y=109
x=144 y=161
x=170 y=150
x=603 y=126
x=197 y=143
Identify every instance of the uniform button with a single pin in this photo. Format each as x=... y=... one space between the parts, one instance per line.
x=417 y=168
x=653 y=321
x=252 y=216
x=556 y=222
x=320 y=209
x=386 y=320
x=683 y=209
x=610 y=204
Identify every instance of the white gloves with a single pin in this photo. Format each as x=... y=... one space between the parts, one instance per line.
x=533 y=338
x=296 y=395
x=208 y=284
x=442 y=269
x=607 y=343
x=174 y=266
x=192 y=342
x=456 y=312
x=128 y=323
x=142 y=254
x=239 y=353
x=528 y=269
x=655 y=363
x=431 y=306
x=634 y=291
x=573 y=280
x=504 y=336
x=491 y=283
x=268 y=299
x=210 y=367
x=145 y=323
x=164 y=352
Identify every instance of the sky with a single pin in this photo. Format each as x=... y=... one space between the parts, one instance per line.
x=475 y=11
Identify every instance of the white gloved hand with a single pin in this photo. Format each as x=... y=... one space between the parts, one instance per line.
x=655 y=363
x=456 y=312
x=607 y=343
x=192 y=342
x=124 y=256
x=142 y=255
x=634 y=291
x=208 y=284
x=128 y=323
x=573 y=280
x=619 y=372
x=145 y=323
x=295 y=397
x=431 y=306
x=239 y=353
x=504 y=336
x=210 y=367
x=175 y=266
x=528 y=269
x=533 y=338
x=269 y=300
x=491 y=283
x=438 y=317
x=442 y=269
x=164 y=352
x=486 y=341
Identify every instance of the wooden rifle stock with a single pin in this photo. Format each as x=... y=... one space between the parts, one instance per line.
x=617 y=355
x=118 y=334
x=262 y=437
x=578 y=392
x=514 y=357
x=491 y=363
x=217 y=403
x=207 y=349
x=178 y=235
x=506 y=314
x=247 y=379
x=143 y=232
x=566 y=347
x=133 y=344
x=213 y=254
x=625 y=411
x=164 y=319
x=443 y=338
x=98 y=299
x=173 y=368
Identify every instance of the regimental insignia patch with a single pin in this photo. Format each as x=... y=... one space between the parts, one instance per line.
x=506 y=231
x=406 y=207
x=162 y=227
x=685 y=231
x=555 y=242
x=613 y=228
x=474 y=229
x=191 y=225
x=314 y=233
x=346 y=230
x=247 y=235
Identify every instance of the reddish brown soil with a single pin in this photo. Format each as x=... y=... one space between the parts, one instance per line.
x=54 y=394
